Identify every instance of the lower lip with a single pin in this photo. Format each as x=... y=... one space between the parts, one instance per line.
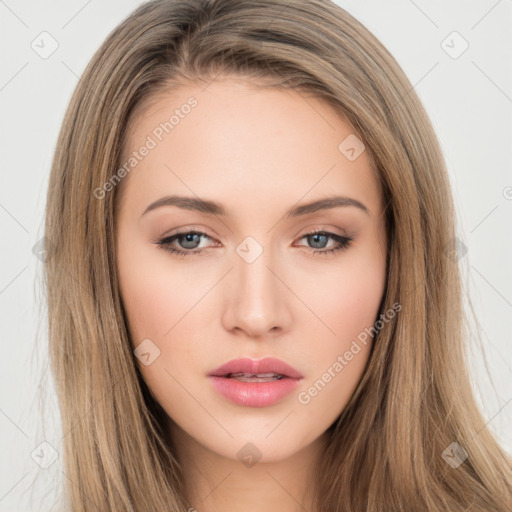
x=254 y=394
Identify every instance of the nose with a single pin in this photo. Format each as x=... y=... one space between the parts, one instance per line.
x=257 y=301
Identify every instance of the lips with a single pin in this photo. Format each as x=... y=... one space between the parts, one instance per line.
x=262 y=368
x=255 y=383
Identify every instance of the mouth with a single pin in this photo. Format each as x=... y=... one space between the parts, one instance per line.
x=255 y=383
x=266 y=368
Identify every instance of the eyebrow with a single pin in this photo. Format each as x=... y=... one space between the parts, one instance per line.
x=213 y=208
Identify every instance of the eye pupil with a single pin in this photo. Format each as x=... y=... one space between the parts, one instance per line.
x=189 y=238
x=316 y=236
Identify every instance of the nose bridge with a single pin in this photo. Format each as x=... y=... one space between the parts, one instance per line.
x=258 y=304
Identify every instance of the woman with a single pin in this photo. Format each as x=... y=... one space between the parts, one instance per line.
x=239 y=368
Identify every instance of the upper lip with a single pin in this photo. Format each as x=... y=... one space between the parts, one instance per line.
x=256 y=366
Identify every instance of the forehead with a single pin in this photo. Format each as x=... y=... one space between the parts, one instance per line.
x=245 y=145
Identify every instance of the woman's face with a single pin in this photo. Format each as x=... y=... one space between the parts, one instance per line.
x=253 y=280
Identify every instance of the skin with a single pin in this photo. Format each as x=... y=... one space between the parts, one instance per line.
x=258 y=152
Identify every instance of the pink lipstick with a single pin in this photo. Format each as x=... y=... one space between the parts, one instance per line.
x=255 y=383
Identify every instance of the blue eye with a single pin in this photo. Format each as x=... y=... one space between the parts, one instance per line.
x=343 y=242
x=191 y=240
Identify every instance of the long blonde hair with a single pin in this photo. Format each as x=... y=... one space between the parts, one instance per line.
x=414 y=401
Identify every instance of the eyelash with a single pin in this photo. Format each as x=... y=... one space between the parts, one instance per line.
x=343 y=242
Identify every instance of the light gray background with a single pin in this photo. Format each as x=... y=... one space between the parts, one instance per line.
x=469 y=99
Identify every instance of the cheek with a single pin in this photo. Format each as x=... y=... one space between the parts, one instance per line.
x=161 y=304
x=346 y=298
x=156 y=296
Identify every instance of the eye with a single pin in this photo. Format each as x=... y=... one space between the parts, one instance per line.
x=190 y=240
x=320 y=238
